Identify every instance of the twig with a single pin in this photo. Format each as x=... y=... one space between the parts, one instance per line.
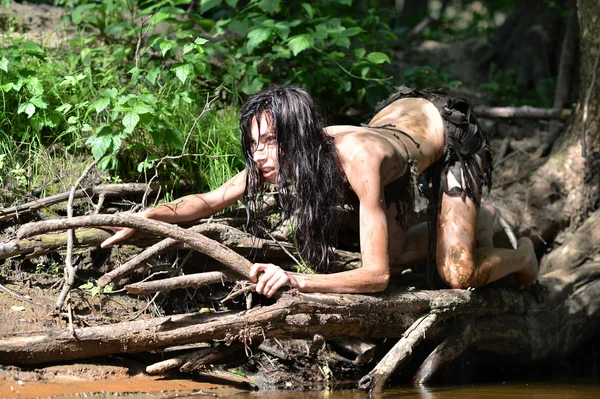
x=285 y=250
x=140 y=38
x=522 y=221
x=587 y=101
x=507 y=228
x=135 y=316
x=70 y=314
x=21 y=297
x=69 y=269
x=237 y=292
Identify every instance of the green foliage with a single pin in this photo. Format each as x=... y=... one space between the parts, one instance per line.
x=128 y=87
x=427 y=76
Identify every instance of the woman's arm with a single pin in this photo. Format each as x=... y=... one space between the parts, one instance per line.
x=364 y=175
x=190 y=207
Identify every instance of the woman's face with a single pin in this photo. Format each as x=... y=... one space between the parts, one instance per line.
x=264 y=148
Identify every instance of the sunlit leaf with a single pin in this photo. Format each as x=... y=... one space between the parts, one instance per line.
x=256 y=37
x=4 y=64
x=101 y=104
x=378 y=58
x=130 y=121
x=183 y=71
x=300 y=43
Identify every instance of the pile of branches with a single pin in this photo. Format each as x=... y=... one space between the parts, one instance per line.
x=506 y=321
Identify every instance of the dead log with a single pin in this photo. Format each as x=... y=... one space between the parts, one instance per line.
x=197 y=241
x=525 y=112
x=102 y=189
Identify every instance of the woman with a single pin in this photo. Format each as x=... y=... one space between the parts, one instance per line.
x=375 y=167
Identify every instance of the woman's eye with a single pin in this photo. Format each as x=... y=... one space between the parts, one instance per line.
x=271 y=139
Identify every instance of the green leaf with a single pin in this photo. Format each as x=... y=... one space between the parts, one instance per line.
x=346 y=2
x=39 y=102
x=130 y=121
x=4 y=64
x=183 y=71
x=35 y=87
x=166 y=46
x=140 y=108
x=378 y=58
x=28 y=108
x=64 y=108
x=309 y=10
x=111 y=93
x=85 y=56
x=282 y=29
x=152 y=75
x=7 y=87
x=99 y=144
x=158 y=18
x=32 y=47
x=101 y=104
x=300 y=43
x=256 y=37
x=231 y=3
x=174 y=138
x=359 y=52
x=269 y=6
x=206 y=5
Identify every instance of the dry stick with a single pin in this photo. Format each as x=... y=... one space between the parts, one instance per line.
x=195 y=240
x=453 y=346
x=106 y=189
x=376 y=379
x=525 y=112
x=140 y=38
x=507 y=228
x=70 y=270
x=135 y=316
x=155 y=250
x=586 y=103
x=189 y=281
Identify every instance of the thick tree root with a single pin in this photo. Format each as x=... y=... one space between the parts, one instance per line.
x=376 y=379
x=461 y=336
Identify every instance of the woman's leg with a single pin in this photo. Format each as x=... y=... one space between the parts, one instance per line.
x=460 y=264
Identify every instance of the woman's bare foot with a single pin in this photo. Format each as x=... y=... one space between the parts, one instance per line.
x=529 y=274
x=485 y=226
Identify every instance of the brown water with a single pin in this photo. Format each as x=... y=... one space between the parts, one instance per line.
x=156 y=388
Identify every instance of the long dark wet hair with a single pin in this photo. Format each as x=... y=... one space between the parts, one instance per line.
x=310 y=186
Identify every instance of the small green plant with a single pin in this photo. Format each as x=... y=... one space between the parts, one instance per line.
x=94 y=289
x=51 y=269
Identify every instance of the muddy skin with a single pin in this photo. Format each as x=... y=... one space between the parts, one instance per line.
x=529 y=274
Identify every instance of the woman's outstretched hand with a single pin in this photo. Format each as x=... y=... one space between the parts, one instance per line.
x=269 y=278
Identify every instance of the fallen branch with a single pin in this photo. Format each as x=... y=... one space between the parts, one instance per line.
x=189 y=281
x=525 y=112
x=195 y=240
x=103 y=189
x=334 y=316
x=376 y=379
